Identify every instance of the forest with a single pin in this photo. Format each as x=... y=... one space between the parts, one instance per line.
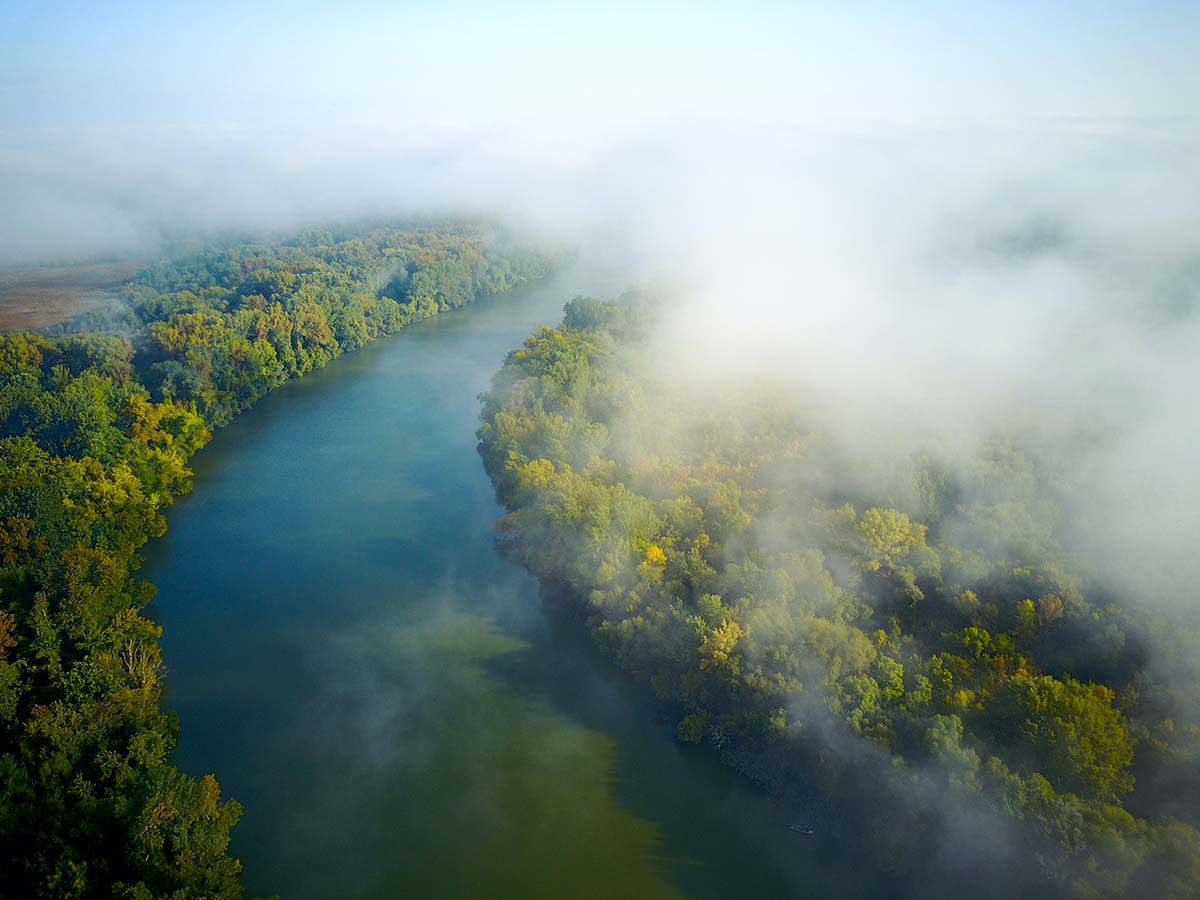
x=98 y=420
x=918 y=660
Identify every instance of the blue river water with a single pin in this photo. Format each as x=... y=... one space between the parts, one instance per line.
x=395 y=706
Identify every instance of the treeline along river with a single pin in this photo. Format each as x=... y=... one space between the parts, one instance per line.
x=397 y=709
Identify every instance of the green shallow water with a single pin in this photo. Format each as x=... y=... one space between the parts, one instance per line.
x=393 y=704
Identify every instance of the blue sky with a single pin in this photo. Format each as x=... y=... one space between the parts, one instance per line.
x=160 y=65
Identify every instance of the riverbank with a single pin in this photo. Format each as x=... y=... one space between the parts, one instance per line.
x=99 y=424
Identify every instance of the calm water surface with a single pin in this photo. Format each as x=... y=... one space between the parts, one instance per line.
x=392 y=703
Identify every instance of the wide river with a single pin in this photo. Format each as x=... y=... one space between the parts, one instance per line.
x=397 y=709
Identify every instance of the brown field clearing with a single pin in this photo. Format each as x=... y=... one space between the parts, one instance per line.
x=34 y=297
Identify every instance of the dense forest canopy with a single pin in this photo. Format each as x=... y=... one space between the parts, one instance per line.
x=922 y=647
x=97 y=423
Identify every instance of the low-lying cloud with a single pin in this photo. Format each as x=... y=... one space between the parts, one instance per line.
x=926 y=286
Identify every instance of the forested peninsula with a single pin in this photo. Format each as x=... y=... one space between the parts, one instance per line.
x=915 y=662
x=97 y=422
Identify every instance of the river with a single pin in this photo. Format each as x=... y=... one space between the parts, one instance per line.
x=398 y=711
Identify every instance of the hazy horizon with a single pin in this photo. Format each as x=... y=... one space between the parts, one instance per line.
x=126 y=121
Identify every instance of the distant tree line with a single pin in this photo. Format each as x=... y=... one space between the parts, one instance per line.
x=926 y=653
x=96 y=429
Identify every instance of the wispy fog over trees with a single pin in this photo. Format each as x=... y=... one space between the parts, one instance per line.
x=978 y=708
